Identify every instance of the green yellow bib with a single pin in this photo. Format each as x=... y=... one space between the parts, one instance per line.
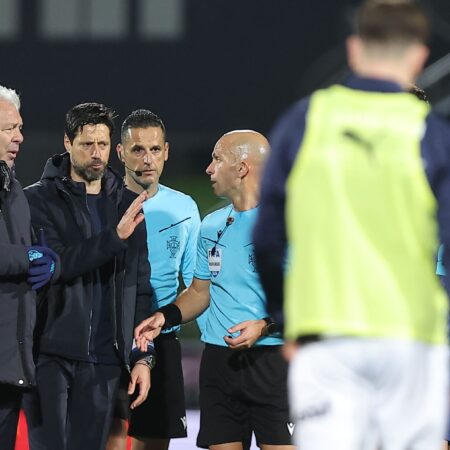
x=361 y=222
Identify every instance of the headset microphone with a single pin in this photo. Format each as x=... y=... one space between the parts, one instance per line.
x=137 y=172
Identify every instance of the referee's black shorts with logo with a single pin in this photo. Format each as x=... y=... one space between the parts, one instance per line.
x=243 y=391
x=163 y=414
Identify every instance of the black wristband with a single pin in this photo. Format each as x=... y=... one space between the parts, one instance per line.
x=172 y=314
x=271 y=327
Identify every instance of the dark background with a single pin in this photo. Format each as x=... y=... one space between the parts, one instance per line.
x=235 y=64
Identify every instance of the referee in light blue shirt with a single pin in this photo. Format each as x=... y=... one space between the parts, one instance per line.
x=242 y=374
x=172 y=221
x=229 y=265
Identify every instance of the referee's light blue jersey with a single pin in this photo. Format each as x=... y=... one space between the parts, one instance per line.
x=225 y=256
x=173 y=222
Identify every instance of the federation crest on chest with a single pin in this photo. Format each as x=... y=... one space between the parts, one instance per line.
x=173 y=245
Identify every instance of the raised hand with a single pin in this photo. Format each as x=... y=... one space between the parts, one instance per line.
x=132 y=217
x=148 y=330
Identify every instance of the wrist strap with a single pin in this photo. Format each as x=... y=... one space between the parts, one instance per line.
x=149 y=361
x=172 y=314
x=271 y=327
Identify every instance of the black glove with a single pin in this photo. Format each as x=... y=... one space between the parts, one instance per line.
x=42 y=263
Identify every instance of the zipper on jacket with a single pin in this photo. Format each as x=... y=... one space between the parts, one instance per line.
x=23 y=379
x=125 y=356
x=4 y=211
x=114 y=305
x=72 y=205
x=90 y=328
x=92 y=295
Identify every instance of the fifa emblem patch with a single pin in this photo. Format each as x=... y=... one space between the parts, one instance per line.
x=214 y=261
x=173 y=245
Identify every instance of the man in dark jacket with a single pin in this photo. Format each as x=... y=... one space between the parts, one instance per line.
x=86 y=320
x=17 y=299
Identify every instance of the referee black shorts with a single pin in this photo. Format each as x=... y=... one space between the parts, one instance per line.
x=243 y=391
x=163 y=414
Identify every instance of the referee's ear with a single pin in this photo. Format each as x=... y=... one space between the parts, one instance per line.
x=119 y=150
x=244 y=169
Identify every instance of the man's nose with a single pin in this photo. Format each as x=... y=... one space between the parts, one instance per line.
x=95 y=150
x=18 y=136
x=148 y=158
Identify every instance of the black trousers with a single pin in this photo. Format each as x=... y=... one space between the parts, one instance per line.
x=10 y=398
x=72 y=407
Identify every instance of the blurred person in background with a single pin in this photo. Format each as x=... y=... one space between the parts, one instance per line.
x=442 y=272
x=440 y=269
x=358 y=188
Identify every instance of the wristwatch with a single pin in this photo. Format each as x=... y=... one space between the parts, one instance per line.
x=270 y=328
x=149 y=361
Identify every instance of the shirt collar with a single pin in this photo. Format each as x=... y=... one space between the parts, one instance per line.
x=372 y=84
x=6 y=175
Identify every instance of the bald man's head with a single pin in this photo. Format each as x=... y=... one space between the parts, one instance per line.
x=237 y=161
x=246 y=145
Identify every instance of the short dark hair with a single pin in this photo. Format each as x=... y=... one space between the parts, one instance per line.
x=391 y=22
x=88 y=114
x=142 y=118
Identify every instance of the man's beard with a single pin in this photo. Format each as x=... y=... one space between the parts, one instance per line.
x=87 y=173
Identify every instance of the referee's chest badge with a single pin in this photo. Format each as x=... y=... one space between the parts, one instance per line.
x=173 y=245
x=214 y=261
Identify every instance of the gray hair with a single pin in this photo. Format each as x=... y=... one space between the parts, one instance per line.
x=10 y=95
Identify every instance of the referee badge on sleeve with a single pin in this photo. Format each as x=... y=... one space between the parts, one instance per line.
x=214 y=261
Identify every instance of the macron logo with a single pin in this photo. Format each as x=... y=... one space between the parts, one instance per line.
x=290 y=427
x=184 y=422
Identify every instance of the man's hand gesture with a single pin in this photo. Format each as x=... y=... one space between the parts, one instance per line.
x=148 y=330
x=132 y=217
